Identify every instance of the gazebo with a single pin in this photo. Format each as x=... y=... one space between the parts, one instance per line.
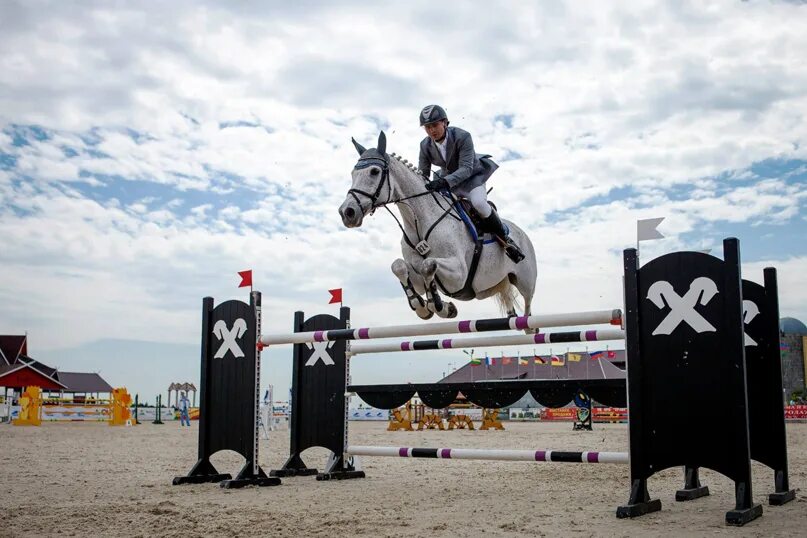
x=181 y=387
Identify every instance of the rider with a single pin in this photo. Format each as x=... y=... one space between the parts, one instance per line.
x=462 y=171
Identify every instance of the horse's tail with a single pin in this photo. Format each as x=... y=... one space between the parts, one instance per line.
x=507 y=299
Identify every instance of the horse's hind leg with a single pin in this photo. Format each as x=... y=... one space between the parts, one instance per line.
x=526 y=288
x=416 y=302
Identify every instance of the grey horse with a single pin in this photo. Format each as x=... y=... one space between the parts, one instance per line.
x=439 y=254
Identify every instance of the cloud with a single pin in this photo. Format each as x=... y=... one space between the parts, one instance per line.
x=147 y=155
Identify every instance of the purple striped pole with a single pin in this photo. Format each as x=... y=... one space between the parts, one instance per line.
x=599 y=317
x=488 y=341
x=548 y=456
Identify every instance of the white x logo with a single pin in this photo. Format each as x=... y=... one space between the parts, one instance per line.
x=229 y=336
x=750 y=311
x=320 y=353
x=662 y=293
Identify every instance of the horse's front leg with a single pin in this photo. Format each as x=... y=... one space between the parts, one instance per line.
x=448 y=268
x=416 y=302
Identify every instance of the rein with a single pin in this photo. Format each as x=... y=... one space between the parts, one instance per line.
x=383 y=163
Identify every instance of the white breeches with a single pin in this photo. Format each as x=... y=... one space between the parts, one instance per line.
x=479 y=200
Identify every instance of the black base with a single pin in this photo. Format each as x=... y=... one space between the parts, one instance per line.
x=200 y=479
x=690 y=494
x=246 y=477
x=294 y=466
x=260 y=481
x=738 y=518
x=202 y=472
x=638 y=509
x=293 y=472
x=781 y=497
x=340 y=475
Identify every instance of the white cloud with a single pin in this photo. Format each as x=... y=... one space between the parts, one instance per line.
x=186 y=143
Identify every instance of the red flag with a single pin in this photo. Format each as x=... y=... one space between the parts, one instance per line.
x=246 y=278
x=336 y=296
x=612 y=354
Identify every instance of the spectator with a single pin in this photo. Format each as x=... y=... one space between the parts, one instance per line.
x=184 y=419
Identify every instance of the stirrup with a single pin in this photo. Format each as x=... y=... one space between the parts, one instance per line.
x=512 y=250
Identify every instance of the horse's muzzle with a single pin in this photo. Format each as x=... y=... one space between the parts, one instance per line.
x=351 y=214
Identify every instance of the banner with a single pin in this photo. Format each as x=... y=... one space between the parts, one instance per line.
x=75 y=412
x=610 y=414
x=368 y=413
x=471 y=412
x=600 y=414
x=561 y=413
x=149 y=414
x=525 y=413
x=796 y=412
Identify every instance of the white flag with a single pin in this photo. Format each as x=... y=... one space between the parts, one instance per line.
x=646 y=229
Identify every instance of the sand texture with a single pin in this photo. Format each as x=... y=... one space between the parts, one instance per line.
x=85 y=479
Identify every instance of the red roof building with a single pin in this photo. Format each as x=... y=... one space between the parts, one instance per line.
x=18 y=370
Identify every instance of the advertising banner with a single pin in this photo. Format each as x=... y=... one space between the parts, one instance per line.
x=368 y=413
x=796 y=412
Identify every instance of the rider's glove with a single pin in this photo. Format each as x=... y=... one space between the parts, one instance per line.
x=439 y=184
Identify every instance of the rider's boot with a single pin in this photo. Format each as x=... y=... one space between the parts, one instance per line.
x=494 y=225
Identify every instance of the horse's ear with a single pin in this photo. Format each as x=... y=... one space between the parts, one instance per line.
x=382 y=143
x=358 y=146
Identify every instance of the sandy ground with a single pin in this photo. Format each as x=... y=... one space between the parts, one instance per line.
x=93 y=480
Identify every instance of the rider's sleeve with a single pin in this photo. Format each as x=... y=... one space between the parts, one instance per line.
x=424 y=163
x=465 y=147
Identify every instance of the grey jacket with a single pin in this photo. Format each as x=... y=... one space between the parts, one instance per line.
x=465 y=169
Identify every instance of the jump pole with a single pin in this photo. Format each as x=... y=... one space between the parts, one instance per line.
x=553 y=456
x=598 y=317
x=489 y=341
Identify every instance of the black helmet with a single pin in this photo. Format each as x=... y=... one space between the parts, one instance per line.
x=431 y=114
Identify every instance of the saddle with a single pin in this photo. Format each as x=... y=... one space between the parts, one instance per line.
x=473 y=222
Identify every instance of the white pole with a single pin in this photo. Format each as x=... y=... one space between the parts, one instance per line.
x=611 y=317
x=549 y=456
x=485 y=341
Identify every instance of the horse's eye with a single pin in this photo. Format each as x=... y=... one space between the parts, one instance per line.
x=374 y=171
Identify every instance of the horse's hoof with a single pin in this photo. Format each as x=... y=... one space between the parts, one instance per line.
x=424 y=315
x=452 y=311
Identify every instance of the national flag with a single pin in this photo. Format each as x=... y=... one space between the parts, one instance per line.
x=556 y=361
x=475 y=361
x=539 y=360
x=612 y=354
x=523 y=362
x=597 y=355
x=246 y=278
x=507 y=360
x=574 y=357
x=336 y=296
x=487 y=360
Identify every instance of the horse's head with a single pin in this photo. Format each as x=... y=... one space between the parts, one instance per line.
x=371 y=185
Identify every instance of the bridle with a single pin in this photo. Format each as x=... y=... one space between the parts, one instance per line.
x=367 y=162
x=381 y=160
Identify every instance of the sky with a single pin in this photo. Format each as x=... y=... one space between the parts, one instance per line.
x=149 y=152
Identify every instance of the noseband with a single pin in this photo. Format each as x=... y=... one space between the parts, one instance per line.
x=367 y=162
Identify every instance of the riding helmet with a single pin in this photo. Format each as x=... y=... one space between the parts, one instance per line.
x=431 y=114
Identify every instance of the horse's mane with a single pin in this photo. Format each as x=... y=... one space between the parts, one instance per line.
x=412 y=168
